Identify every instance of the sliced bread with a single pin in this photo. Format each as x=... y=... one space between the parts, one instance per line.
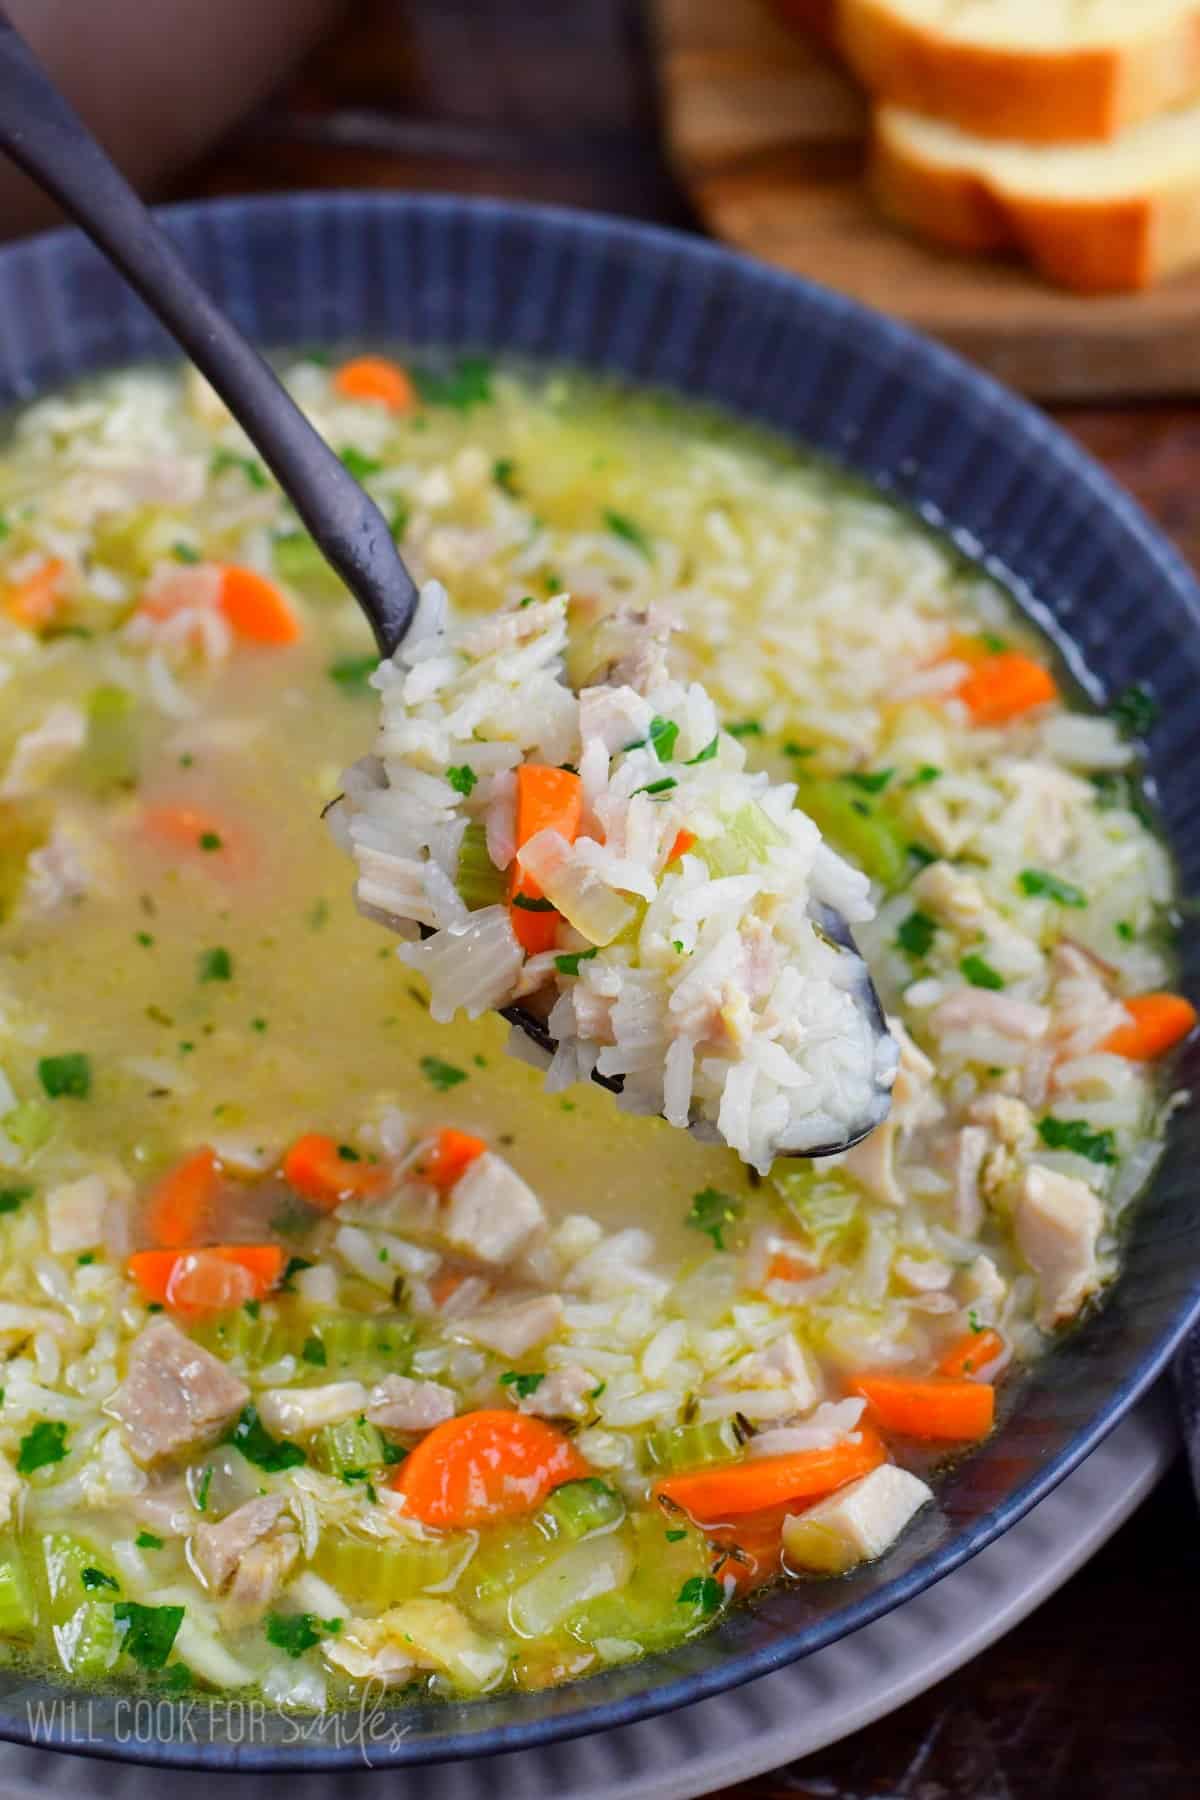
x=1098 y=218
x=1037 y=71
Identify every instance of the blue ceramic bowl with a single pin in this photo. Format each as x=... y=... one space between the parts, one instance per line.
x=1013 y=490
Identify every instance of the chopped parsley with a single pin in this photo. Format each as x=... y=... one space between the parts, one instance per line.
x=924 y=775
x=468 y=384
x=462 y=778
x=656 y=787
x=144 y=938
x=624 y=527
x=980 y=973
x=503 y=474
x=146 y=1540
x=185 y=553
x=210 y=840
x=521 y=1385
x=295 y=1633
x=441 y=1075
x=258 y=1024
x=916 y=934
x=249 y=466
x=11 y=1198
x=252 y=1308
x=1135 y=711
x=68 y=1076
x=705 y=755
x=46 y=1443
x=871 y=781
x=792 y=748
x=711 y=1211
x=702 y=1591
x=398 y=523
x=534 y=902
x=1077 y=1136
x=743 y=728
x=568 y=963
x=314 y=1353
x=149 y=1631
x=214 y=965
x=256 y=1444
x=992 y=642
x=348 y=1153
x=359 y=463
x=1124 y=931
x=663 y=733
x=202 y=1486
x=676 y=1536
x=352 y=673
x=1040 y=884
x=88 y=1256
x=98 y=1578
x=974 y=1321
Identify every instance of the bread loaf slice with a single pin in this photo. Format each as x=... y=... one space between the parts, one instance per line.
x=1097 y=218
x=1037 y=71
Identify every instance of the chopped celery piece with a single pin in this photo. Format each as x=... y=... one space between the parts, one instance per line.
x=388 y=1570
x=365 y=1341
x=826 y=1208
x=62 y=1561
x=348 y=1449
x=670 y=1557
x=370 y=1342
x=856 y=827
x=298 y=562
x=579 y=1507
x=89 y=1642
x=524 y=1544
x=18 y=1610
x=743 y=844
x=690 y=1446
x=256 y=1338
x=29 y=1125
x=480 y=882
x=579 y=1573
x=132 y=542
x=113 y=739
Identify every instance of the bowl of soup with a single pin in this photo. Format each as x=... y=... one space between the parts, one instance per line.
x=345 y=1357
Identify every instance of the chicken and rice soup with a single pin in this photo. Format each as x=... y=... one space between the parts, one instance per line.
x=337 y=1348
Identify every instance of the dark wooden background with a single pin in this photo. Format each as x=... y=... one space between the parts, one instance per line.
x=1097 y=1696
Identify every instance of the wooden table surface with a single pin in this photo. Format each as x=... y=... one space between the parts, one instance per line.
x=1094 y=1697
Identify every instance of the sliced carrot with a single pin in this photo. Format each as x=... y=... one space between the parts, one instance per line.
x=978 y=1350
x=932 y=1407
x=1157 y=1022
x=1002 y=687
x=256 y=609
x=548 y=799
x=187 y=828
x=684 y=840
x=785 y=1266
x=714 y=1496
x=757 y=1539
x=181 y=1201
x=36 y=601
x=316 y=1167
x=485 y=1465
x=448 y=1157
x=196 y=1284
x=378 y=382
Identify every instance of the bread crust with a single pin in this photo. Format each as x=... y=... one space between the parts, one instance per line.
x=1101 y=246
x=1035 y=96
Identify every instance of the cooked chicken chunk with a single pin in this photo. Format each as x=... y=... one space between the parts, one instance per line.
x=512 y=1328
x=397 y=1403
x=258 y=1578
x=1057 y=1222
x=217 y=1549
x=492 y=1214
x=175 y=1394
x=563 y=1394
x=425 y=1633
x=856 y=1524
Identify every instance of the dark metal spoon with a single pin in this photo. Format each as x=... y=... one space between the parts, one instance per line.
x=41 y=131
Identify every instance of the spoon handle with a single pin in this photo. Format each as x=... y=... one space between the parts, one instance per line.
x=43 y=133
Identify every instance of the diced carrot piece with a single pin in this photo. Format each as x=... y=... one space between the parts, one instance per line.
x=483 y=1466
x=1002 y=687
x=181 y=1200
x=197 y=1284
x=684 y=840
x=978 y=1350
x=445 y=1284
x=449 y=1156
x=316 y=1167
x=187 y=828
x=255 y=608
x=548 y=799
x=758 y=1539
x=378 y=382
x=932 y=1407
x=36 y=601
x=784 y=1266
x=713 y=1496
x=1157 y=1022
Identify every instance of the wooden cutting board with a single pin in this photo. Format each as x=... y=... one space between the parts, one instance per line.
x=767 y=134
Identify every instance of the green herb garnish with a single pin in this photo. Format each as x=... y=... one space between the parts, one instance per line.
x=149 y=1631
x=744 y=728
x=46 y=1443
x=11 y=1198
x=249 y=466
x=522 y=1385
x=533 y=903
x=711 y=1211
x=293 y=1633
x=146 y=1540
x=468 y=385
x=314 y=1353
x=352 y=673
x=702 y=1591
x=214 y=965
x=1039 y=884
x=705 y=755
x=256 y=1444
x=462 y=778
x=654 y=787
x=871 y=781
x=442 y=1075
x=503 y=472
x=980 y=973
x=359 y=463
x=624 y=527
x=663 y=733
x=1135 y=711
x=93 y=1578
x=185 y=553
x=1077 y=1136
x=916 y=934
x=568 y=963
x=66 y=1077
